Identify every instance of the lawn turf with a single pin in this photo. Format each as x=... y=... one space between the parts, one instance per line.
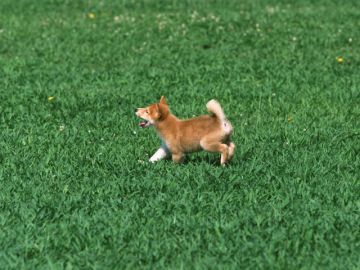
x=76 y=188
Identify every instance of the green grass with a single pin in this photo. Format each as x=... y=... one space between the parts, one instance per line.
x=76 y=188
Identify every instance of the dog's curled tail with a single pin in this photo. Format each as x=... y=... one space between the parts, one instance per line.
x=214 y=107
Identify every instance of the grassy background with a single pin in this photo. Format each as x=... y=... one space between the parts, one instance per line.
x=76 y=188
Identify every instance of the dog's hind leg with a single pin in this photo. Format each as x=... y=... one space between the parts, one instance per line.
x=211 y=146
x=231 y=150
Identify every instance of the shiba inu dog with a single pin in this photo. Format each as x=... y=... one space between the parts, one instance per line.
x=207 y=132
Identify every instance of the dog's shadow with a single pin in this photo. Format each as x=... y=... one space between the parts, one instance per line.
x=199 y=158
x=214 y=160
x=209 y=159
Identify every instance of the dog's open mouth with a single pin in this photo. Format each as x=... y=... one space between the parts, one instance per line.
x=144 y=124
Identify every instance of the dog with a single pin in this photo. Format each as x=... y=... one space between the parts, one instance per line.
x=211 y=132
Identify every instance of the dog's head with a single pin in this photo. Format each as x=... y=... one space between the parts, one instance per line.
x=153 y=113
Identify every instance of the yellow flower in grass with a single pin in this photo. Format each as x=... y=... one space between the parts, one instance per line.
x=50 y=98
x=91 y=15
x=339 y=59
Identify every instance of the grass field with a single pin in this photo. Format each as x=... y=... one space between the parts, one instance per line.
x=76 y=188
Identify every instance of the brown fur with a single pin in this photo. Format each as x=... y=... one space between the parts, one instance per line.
x=205 y=132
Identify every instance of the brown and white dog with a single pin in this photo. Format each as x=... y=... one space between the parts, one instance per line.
x=207 y=132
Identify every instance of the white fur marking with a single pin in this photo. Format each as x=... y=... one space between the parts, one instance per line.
x=227 y=127
x=160 y=154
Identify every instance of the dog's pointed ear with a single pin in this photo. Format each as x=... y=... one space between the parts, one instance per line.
x=159 y=112
x=163 y=100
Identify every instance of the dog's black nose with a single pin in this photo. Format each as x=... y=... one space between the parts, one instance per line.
x=136 y=110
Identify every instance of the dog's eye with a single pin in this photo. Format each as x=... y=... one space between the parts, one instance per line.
x=147 y=111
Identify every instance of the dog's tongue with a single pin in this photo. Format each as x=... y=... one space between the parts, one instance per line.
x=142 y=124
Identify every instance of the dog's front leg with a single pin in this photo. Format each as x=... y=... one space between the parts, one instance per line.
x=160 y=154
